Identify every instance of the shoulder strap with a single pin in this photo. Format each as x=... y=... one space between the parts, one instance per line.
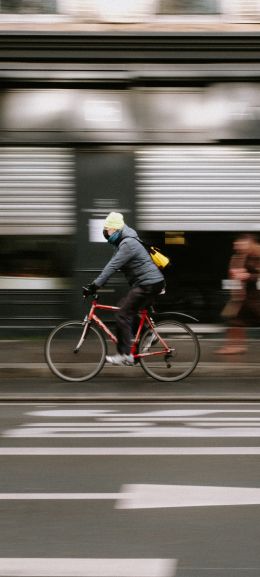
x=147 y=246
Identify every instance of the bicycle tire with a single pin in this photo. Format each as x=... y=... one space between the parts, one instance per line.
x=65 y=362
x=184 y=346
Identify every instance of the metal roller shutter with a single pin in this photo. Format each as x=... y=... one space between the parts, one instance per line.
x=198 y=188
x=245 y=10
x=36 y=191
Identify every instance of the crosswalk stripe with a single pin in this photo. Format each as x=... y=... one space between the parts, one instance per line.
x=152 y=496
x=126 y=451
x=58 y=497
x=143 y=496
x=149 y=432
x=163 y=413
x=51 y=567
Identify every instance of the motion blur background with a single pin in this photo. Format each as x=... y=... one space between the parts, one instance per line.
x=147 y=107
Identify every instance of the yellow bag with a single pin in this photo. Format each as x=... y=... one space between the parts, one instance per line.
x=156 y=255
x=158 y=258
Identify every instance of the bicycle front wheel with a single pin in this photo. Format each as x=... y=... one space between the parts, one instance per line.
x=181 y=356
x=71 y=357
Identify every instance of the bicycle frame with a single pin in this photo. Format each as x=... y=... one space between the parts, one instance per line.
x=143 y=319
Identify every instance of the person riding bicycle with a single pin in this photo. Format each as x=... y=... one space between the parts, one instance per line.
x=144 y=277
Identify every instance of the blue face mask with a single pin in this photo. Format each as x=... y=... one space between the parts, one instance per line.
x=114 y=237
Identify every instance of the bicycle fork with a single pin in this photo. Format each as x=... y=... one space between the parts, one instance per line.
x=83 y=336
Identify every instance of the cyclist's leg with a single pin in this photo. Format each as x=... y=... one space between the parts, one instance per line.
x=137 y=298
x=128 y=309
x=152 y=292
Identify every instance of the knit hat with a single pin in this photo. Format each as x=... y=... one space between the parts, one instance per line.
x=114 y=220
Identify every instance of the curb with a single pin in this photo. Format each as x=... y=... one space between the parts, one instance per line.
x=116 y=399
x=42 y=370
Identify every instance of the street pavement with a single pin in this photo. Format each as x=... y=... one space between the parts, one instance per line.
x=130 y=490
x=26 y=376
x=119 y=387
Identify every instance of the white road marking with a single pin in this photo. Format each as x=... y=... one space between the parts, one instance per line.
x=151 y=414
x=146 y=496
x=43 y=567
x=149 y=432
x=99 y=424
x=48 y=428
x=182 y=418
x=127 y=451
x=110 y=423
x=161 y=496
x=107 y=423
x=72 y=412
x=58 y=497
x=195 y=412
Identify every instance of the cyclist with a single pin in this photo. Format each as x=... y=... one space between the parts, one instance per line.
x=144 y=277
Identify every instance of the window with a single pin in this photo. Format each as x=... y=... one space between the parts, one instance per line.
x=189 y=7
x=36 y=256
x=28 y=6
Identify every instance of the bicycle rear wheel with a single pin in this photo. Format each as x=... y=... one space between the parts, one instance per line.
x=183 y=347
x=68 y=363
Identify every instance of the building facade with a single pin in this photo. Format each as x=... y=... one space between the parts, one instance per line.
x=161 y=126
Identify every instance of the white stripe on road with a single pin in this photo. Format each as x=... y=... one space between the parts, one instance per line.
x=164 y=413
x=131 y=420
x=122 y=426
x=117 y=424
x=102 y=423
x=127 y=451
x=40 y=567
x=145 y=496
x=58 y=497
x=149 y=432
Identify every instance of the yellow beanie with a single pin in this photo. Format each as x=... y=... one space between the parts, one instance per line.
x=114 y=220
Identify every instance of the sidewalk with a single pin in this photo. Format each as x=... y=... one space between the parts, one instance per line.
x=25 y=358
x=25 y=377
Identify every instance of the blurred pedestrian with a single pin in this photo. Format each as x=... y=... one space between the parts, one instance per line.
x=243 y=307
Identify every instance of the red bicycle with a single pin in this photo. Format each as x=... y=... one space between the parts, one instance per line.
x=167 y=349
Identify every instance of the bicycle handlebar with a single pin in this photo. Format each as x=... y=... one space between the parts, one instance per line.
x=86 y=293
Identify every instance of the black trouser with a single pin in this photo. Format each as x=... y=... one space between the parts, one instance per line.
x=137 y=298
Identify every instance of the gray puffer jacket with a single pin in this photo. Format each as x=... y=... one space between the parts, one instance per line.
x=132 y=258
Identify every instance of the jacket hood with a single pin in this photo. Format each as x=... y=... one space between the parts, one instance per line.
x=128 y=231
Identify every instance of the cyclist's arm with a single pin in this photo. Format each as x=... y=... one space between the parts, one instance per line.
x=122 y=256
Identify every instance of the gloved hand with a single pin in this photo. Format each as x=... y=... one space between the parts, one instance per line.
x=91 y=289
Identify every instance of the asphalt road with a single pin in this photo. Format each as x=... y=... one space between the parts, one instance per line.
x=25 y=375
x=231 y=384
x=130 y=490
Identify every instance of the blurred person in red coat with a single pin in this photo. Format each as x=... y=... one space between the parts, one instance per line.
x=243 y=307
